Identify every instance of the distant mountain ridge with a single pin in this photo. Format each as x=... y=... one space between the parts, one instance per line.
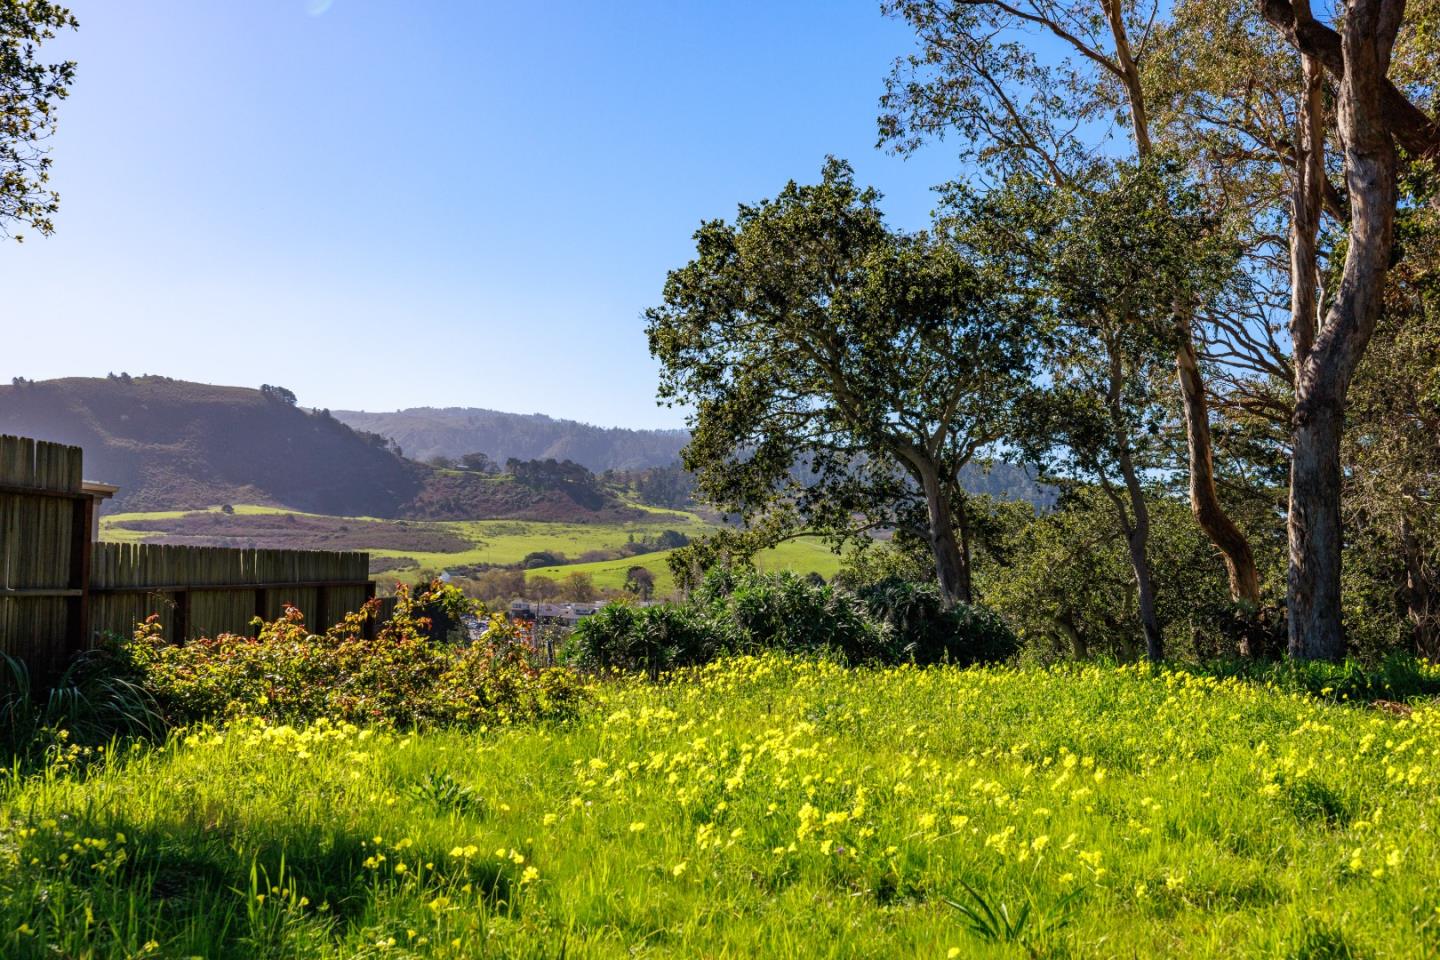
x=176 y=445
x=426 y=432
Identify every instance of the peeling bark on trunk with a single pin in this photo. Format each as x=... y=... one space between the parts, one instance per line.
x=1323 y=377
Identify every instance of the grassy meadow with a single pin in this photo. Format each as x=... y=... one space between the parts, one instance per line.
x=509 y=541
x=758 y=807
x=803 y=555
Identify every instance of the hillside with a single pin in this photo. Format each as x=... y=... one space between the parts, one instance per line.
x=173 y=445
x=425 y=432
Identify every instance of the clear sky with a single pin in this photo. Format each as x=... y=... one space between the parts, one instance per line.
x=394 y=203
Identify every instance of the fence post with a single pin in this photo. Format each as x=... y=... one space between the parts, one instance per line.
x=77 y=627
x=182 y=616
x=320 y=622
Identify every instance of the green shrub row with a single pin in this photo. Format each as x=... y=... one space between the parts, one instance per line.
x=744 y=612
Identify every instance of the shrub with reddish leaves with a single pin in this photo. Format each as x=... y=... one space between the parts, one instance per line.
x=403 y=676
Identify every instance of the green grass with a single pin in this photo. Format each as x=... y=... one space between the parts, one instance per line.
x=762 y=808
x=509 y=541
x=493 y=541
x=804 y=555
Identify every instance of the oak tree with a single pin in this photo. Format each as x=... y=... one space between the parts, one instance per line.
x=841 y=372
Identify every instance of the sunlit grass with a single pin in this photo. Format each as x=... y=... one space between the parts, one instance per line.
x=510 y=541
x=803 y=555
x=492 y=541
x=761 y=808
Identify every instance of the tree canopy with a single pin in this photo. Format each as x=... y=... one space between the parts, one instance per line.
x=30 y=94
x=842 y=372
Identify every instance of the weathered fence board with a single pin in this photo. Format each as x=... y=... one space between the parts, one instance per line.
x=41 y=588
x=59 y=591
x=202 y=591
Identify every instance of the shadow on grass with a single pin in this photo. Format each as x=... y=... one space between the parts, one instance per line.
x=1394 y=678
x=107 y=888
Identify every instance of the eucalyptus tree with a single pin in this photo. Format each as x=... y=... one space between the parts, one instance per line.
x=1373 y=116
x=841 y=372
x=1013 y=103
x=1204 y=77
x=30 y=93
x=1111 y=260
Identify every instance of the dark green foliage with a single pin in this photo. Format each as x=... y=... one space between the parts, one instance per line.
x=919 y=628
x=843 y=373
x=746 y=612
x=786 y=612
x=650 y=639
x=280 y=395
x=1064 y=582
x=94 y=700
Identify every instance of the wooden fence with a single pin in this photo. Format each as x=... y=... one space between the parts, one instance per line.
x=44 y=538
x=59 y=591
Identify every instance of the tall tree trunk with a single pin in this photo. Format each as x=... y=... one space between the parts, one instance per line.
x=1065 y=623
x=962 y=527
x=1305 y=203
x=1137 y=540
x=1134 y=519
x=1145 y=591
x=1315 y=536
x=1367 y=35
x=1205 y=504
x=952 y=564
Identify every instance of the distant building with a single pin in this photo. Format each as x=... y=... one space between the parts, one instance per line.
x=565 y=614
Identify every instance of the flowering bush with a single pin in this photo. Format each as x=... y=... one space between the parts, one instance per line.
x=402 y=676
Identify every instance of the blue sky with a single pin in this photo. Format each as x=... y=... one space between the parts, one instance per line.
x=393 y=203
